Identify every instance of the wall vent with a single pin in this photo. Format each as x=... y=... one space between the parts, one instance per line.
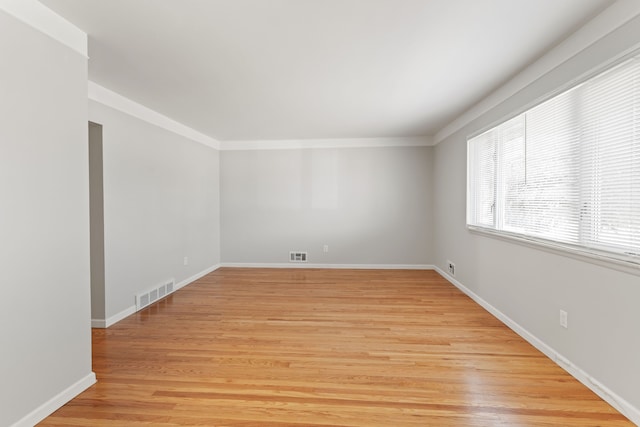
x=297 y=257
x=147 y=298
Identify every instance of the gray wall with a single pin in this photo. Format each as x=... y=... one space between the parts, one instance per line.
x=161 y=204
x=96 y=211
x=369 y=205
x=531 y=285
x=45 y=341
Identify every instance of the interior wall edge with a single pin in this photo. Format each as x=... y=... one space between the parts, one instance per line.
x=98 y=323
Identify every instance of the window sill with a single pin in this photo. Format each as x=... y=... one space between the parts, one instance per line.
x=629 y=264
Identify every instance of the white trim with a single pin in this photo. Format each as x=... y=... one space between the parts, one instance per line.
x=56 y=402
x=288 y=144
x=195 y=277
x=612 y=18
x=43 y=19
x=601 y=68
x=620 y=262
x=330 y=266
x=101 y=323
x=117 y=317
x=121 y=103
x=620 y=404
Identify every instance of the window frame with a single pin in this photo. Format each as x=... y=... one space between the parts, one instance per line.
x=625 y=261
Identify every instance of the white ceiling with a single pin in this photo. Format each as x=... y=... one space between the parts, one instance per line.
x=299 y=69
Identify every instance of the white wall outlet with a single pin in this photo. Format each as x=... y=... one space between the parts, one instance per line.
x=564 y=319
x=325 y=248
x=451 y=268
x=186 y=260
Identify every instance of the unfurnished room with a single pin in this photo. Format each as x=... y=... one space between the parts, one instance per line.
x=348 y=213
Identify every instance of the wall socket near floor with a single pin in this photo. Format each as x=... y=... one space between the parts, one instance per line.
x=186 y=260
x=325 y=248
x=451 y=268
x=564 y=319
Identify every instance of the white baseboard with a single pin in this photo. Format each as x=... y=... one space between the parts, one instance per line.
x=330 y=266
x=112 y=320
x=56 y=402
x=196 y=276
x=624 y=407
x=102 y=323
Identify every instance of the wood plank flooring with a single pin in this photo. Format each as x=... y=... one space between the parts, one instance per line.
x=291 y=347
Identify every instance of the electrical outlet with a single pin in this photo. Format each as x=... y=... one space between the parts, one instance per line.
x=186 y=260
x=325 y=248
x=451 y=268
x=564 y=319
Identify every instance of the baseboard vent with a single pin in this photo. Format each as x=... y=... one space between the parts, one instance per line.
x=297 y=257
x=147 y=298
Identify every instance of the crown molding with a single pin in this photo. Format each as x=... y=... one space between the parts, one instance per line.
x=43 y=19
x=121 y=103
x=288 y=144
x=612 y=18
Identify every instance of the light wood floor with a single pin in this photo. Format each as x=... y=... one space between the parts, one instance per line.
x=262 y=347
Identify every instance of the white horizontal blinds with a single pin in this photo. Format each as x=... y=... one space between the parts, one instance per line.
x=611 y=159
x=482 y=167
x=549 y=203
x=567 y=170
x=511 y=175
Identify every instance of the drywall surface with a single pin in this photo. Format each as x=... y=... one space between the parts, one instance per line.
x=161 y=204
x=367 y=205
x=531 y=285
x=96 y=210
x=44 y=223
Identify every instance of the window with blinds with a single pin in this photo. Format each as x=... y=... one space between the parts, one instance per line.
x=566 y=170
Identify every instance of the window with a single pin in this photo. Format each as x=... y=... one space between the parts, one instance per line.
x=566 y=171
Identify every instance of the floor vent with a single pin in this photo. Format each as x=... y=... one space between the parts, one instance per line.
x=297 y=257
x=147 y=298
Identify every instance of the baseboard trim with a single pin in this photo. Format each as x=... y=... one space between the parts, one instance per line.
x=196 y=276
x=330 y=266
x=624 y=407
x=102 y=323
x=119 y=316
x=105 y=323
x=56 y=402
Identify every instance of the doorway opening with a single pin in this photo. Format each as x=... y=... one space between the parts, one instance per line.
x=96 y=226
